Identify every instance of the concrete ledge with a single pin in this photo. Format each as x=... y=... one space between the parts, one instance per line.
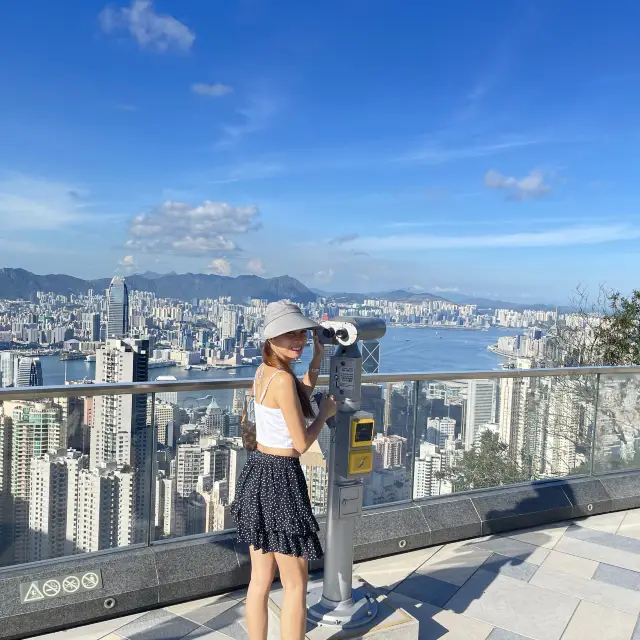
x=184 y=569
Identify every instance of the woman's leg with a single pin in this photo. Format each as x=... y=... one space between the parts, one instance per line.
x=263 y=567
x=294 y=575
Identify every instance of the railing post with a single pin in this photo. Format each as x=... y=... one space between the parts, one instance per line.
x=594 y=430
x=412 y=460
x=151 y=473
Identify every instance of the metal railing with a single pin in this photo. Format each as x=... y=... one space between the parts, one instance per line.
x=412 y=380
x=123 y=388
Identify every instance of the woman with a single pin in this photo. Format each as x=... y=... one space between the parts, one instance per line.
x=272 y=508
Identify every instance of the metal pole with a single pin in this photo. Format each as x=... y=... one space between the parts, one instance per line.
x=337 y=603
x=412 y=459
x=594 y=430
x=151 y=473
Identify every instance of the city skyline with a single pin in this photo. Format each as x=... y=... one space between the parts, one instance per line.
x=485 y=150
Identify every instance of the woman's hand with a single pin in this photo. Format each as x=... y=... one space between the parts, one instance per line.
x=317 y=348
x=328 y=407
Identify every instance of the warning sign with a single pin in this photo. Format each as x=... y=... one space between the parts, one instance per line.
x=64 y=585
x=33 y=593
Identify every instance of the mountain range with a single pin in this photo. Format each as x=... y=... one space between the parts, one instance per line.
x=18 y=283
x=21 y=284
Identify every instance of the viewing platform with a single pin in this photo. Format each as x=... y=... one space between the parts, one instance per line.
x=573 y=580
x=502 y=504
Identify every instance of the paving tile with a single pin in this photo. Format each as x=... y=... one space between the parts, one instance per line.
x=387 y=573
x=427 y=589
x=546 y=536
x=455 y=563
x=620 y=577
x=93 y=631
x=599 y=553
x=157 y=625
x=594 y=622
x=607 y=595
x=604 y=539
x=204 y=633
x=202 y=611
x=630 y=526
x=510 y=567
x=606 y=522
x=570 y=564
x=230 y=622
x=515 y=549
x=514 y=606
x=441 y=624
x=636 y=631
x=501 y=634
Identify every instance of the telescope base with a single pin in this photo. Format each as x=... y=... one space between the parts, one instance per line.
x=357 y=612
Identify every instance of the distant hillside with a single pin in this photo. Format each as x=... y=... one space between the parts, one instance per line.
x=399 y=295
x=457 y=298
x=18 y=283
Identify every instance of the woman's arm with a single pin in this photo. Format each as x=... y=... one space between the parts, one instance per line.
x=287 y=398
x=311 y=376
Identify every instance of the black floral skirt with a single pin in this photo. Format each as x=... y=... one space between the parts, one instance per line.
x=272 y=508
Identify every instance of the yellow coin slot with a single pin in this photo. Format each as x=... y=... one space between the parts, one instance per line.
x=361 y=433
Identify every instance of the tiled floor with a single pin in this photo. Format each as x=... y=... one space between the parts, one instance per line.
x=575 y=581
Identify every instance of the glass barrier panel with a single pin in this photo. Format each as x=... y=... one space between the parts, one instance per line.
x=74 y=475
x=617 y=442
x=198 y=462
x=475 y=434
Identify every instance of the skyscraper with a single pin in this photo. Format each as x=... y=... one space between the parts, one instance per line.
x=117 y=308
x=29 y=373
x=371 y=356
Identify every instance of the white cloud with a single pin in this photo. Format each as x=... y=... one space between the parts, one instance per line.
x=324 y=276
x=527 y=188
x=128 y=263
x=35 y=203
x=215 y=90
x=560 y=237
x=256 y=267
x=439 y=153
x=254 y=117
x=445 y=289
x=152 y=30
x=179 y=228
x=219 y=267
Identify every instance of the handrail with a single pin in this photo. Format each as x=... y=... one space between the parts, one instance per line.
x=209 y=384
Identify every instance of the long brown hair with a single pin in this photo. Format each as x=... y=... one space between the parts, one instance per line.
x=270 y=358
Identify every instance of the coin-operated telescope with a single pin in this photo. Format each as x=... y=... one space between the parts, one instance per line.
x=339 y=603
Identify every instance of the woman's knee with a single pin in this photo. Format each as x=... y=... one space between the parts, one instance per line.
x=293 y=575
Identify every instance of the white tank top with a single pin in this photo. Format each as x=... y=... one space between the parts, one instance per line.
x=271 y=429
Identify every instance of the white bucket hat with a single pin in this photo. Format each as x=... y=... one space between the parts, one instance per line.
x=282 y=317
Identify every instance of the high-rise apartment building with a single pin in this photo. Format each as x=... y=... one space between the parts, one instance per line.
x=439 y=430
x=53 y=503
x=120 y=433
x=390 y=451
x=314 y=467
x=481 y=406
x=105 y=513
x=8 y=367
x=35 y=429
x=117 y=308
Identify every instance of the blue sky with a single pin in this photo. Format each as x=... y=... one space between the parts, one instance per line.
x=488 y=148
